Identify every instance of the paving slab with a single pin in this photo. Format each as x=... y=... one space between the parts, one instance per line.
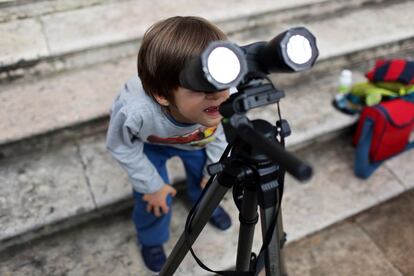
x=341 y=250
x=401 y=170
x=375 y=242
x=390 y=226
x=40 y=189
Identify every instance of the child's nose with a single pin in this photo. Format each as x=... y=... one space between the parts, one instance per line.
x=214 y=95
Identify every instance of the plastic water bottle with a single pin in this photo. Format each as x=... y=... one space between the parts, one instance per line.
x=345 y=81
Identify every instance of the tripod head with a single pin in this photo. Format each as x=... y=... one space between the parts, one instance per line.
x=236 y=124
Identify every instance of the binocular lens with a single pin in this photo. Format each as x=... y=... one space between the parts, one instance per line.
x=299 y=49
x=223 y=65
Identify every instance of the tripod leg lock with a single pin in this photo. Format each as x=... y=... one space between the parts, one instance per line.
x=283 y=128
x=247 y=221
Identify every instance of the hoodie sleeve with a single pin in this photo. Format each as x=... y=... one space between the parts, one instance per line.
x=123 y=144
x=215 y=149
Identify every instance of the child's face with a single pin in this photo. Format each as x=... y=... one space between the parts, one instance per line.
x=197 y=107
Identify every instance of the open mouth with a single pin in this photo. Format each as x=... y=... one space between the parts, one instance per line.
x=212 y=110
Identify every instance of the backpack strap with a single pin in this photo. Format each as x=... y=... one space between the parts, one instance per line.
x=363 y=168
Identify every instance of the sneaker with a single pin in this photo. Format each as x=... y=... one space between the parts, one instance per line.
x=154 y=257
x=220 y=219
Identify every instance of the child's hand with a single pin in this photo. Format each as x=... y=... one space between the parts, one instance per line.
x=203 y=182
x=157 y=201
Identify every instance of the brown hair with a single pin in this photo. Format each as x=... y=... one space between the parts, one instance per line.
x=165 y=48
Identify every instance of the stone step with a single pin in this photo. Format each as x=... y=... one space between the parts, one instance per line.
x=83 y=169
x=107 y=246
x=22 y=9
x=72 y=100
x=98 y=30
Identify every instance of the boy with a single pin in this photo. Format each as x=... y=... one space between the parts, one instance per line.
x=154 y=118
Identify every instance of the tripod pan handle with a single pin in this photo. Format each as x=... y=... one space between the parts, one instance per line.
x=276 y=152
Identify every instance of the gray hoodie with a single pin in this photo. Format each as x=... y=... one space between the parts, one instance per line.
x=136 y=119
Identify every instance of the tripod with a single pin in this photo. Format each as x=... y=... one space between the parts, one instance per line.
x=255 y=169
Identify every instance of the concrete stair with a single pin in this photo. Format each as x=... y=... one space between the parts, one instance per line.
x=55 y=173
x=107 y=246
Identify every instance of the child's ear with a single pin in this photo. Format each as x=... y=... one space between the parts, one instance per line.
x=161 y=100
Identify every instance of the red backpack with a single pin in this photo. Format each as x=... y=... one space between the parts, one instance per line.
x=383 y=131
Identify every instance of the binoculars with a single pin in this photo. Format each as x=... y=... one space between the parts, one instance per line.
x=223 y=64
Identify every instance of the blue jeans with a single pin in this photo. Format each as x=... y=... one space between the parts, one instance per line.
x=152 y=230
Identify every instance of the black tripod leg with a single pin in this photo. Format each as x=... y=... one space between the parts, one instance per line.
x=208 y=203
x=282 y=241
x=274 y=262
x=248 y=219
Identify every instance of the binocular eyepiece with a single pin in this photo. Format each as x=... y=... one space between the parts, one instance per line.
x=223 y=64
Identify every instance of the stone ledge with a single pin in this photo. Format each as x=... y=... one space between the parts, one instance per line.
x=109 y=23
x=17 y=9
x=82 y=104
